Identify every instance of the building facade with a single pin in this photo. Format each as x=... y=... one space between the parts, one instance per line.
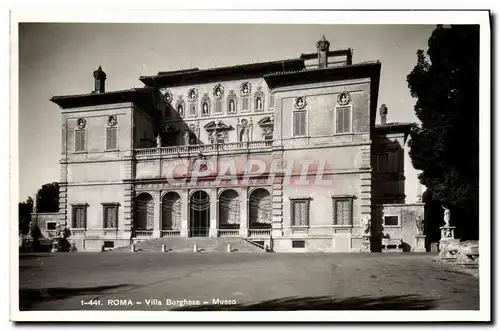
x=284 y=152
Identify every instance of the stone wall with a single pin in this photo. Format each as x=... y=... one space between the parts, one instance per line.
x=47 y=222
x=405 y=230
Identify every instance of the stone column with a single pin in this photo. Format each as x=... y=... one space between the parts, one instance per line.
x=244 y=212
x=213 y=213
x=157 y=214
x=184 y=213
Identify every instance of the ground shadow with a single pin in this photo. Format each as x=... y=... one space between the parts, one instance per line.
x=29 y=297
x=31 y=256
x=394 y=302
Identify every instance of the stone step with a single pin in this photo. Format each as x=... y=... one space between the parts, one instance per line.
x=204 y=244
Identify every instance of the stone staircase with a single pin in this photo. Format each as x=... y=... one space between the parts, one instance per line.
x=204 y=244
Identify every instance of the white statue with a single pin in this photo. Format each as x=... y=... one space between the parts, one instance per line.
x=365 y=224
x=446 y=216
x=186 y=137
x=158 y=141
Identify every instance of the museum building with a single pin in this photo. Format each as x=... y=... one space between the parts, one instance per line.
x=178 y=157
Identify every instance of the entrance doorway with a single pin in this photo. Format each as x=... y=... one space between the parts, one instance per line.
x=199 y=214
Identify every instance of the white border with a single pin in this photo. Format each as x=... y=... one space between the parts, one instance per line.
x=296 y=17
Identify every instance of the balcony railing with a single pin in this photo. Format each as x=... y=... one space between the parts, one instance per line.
x=259 y=233
x=143 y=234
x=229 y=233
x=77 y=231
x=170 y=233
x=191 y=149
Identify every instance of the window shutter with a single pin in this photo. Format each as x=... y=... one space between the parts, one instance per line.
x=192 y=109
x=79 y=140
x=342 y=211
x=110 y=217
x=245 y=104
x=303 y=123
x=339 y=120
x=111 y=138
x=79 y=217
x=218 y=106
x=347 y=120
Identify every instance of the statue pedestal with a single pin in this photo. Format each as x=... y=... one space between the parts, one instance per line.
x=448 y=232
x=366 y=243
x=448 y=245
x=419 y=243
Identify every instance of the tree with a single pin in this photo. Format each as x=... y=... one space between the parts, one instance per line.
x=48 y=198
x=445 y=146
x=25 y=209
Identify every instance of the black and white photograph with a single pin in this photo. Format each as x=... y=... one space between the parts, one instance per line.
x=267 y=164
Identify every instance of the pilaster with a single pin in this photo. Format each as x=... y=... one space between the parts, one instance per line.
x=128 y=213
x=63 y=204
x=244 y=212
x=184 y=213
x=157 y=214
x=277 y=197
x=214 y=202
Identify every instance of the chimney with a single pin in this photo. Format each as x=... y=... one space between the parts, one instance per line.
x=383 y=114
x=323 y=45
x=99 y=79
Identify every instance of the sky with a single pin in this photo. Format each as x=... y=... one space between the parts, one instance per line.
x=59 y=59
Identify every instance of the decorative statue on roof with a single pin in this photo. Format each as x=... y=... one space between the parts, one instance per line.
x=186 y=137
x=158 y=141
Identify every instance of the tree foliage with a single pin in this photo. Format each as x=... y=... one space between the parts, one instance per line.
x=445 y=146
x=25 y=209
x=48 y=198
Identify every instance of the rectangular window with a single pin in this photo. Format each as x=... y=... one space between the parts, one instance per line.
x=299 y=123
x=110 y=213
x=79 y=219
x=218 y=107
x=109 y=244
x=298 y=244
x=80 y=141
x=300 y=212
x=343 y=118
x=111 y=142
x=271 y=101
x=391 y=220
x=193 y=111
x=342 y=211
x=51 y=225
x=245 y=103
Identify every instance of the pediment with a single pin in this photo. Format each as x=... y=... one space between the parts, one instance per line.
x=266 y=121
x=217 y=126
